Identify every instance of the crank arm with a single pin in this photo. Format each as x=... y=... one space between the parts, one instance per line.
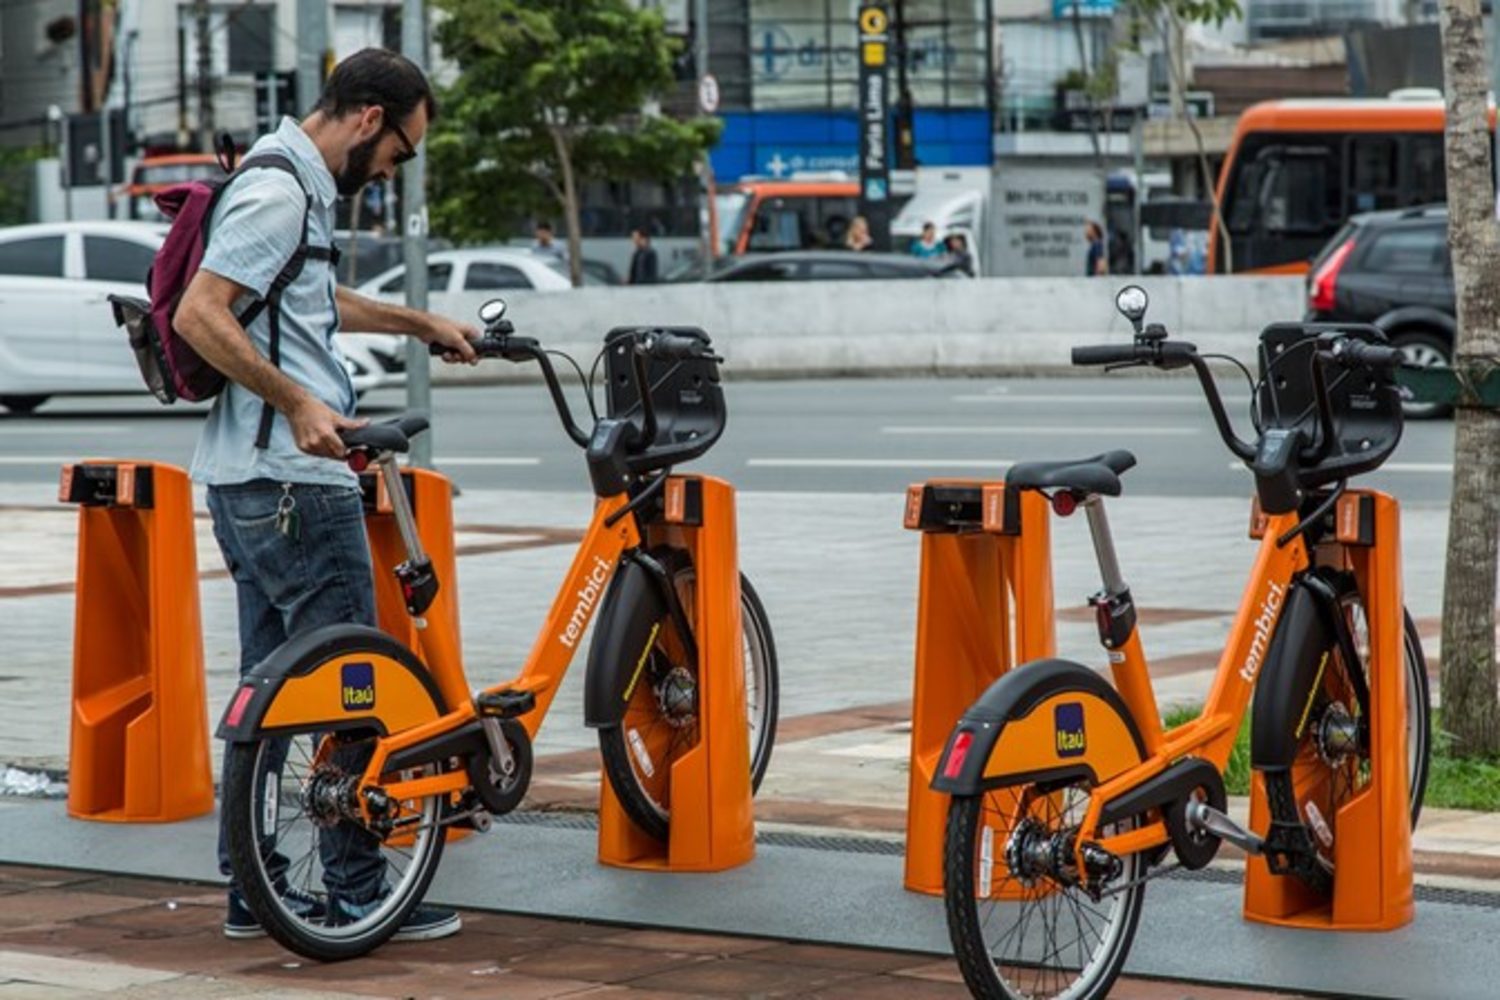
x=1202 y=816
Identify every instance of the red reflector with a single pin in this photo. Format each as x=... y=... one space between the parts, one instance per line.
x=958 y=754
x=358 y=461
x=237 y=709
x=1064 y=503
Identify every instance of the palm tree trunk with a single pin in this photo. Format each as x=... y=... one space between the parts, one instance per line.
x=1470 y=709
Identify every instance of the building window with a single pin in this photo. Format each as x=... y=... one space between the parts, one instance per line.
x=251 y=35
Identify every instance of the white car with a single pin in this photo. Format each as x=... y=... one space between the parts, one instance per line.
x=476 y=269
x=57 y=334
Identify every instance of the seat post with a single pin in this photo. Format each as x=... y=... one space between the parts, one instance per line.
x=1104 y=546
x=406 y=523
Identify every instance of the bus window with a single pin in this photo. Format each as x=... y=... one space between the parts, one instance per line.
x=1373 y=174
x=1426 y=172
x=813 y=223
x=1293 y=197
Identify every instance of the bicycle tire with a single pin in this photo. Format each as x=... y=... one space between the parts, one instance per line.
x=635 y=771
x=972 y=909
x=1299 y=794
x=245 y=810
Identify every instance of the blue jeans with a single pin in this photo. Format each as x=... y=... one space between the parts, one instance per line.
x=287 y=583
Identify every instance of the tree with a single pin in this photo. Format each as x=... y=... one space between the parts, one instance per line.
x=550 y=94
x=1470 y=710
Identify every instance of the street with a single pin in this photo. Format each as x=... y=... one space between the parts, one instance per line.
x=851 y=435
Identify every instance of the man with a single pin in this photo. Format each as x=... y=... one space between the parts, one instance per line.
x=928 y=246
x=288 y=516
x=643 y=261
x=546 y=246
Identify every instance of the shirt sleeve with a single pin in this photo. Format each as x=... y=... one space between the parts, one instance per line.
x=256 y=228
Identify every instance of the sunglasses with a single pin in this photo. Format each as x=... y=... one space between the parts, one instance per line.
x=407 y=154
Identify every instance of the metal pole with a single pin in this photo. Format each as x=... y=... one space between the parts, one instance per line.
x=414 y=213
x=205 y=79
x=710 y=247
x=312 y=43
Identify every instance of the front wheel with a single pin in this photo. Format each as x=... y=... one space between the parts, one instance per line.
x=660 y=723
x=1022 y=926
x=1423 y=349
x=1332 y=762
x=321 y=884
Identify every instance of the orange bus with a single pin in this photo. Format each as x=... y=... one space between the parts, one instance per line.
x=155 y=174
x=1297 y=169
x=803 y=213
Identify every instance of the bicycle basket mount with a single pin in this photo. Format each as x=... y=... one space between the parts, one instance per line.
x=1365 y=401
x=687 y=396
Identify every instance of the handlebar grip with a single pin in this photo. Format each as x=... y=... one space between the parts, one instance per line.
x=672 y=347
x=1358 y=352
x=1105 y=354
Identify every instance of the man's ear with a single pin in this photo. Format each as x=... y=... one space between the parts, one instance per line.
x=371 y=121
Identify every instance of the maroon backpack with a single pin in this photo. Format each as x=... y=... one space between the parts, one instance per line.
x=172 y=369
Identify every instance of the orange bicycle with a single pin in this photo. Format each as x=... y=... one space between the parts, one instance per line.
x=345 y=727
x=1066 y=792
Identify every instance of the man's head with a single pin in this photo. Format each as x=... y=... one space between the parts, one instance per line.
x=544 y=233
x=377 y=106
x=929 y=232
x=640 y=237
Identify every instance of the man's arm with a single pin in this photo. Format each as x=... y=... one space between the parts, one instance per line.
x=365 y=315
x=205 y=319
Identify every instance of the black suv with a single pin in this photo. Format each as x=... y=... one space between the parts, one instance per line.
x=1392 y=269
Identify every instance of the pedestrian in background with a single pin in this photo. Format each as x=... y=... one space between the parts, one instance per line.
x=546 y=245
x=927 y=246
x=643 y=261
x=858 y=237
x=1097 y=261
x=286 y=510
x=958 y=254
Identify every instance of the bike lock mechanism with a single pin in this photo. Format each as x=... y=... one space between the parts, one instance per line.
x=419 y=584
x=1113 y=607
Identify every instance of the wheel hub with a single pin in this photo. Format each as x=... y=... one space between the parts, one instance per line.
x=1337 y=734
x=678 y=695
x=1029 y=852
x=330 y=797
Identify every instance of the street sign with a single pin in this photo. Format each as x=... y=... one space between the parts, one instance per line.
x=708 y=94
x=874 y=118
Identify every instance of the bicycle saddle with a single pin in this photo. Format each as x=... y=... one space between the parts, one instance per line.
x=1098 y=475
x=389 y=435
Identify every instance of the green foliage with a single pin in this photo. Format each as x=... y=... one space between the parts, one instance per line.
x=1214 y=12
x=547 y=86
x=1237 y=771
x=16 y=181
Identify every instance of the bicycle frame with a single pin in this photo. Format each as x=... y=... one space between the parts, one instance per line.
x=598 y=556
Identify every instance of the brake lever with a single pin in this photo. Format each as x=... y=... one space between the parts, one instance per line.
x=1122 y=365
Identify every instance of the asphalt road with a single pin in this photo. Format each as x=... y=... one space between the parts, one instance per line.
x=849 y=435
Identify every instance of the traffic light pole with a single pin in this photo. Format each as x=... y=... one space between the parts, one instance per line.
x=414 y=212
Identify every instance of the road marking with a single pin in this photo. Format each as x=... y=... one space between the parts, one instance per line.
x=1064 y=397
x=880 y=463
x=1417 y=467
x=74 y=429
x=485 y=460
x=1029 y=429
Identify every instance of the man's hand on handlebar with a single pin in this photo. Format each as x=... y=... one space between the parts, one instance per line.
x=453 y=341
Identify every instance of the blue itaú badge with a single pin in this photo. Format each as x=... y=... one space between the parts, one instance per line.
x=358 y=687
x=1068 y=721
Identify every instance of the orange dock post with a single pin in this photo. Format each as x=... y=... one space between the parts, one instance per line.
x=712 y=825
x=139 y=740
x=1372 y=885
x=984 y=605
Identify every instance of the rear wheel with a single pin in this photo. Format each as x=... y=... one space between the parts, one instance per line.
x=1332 y=762
x=660 y=723
x=286 y=821
x=1020 y=923
x=1423 y=349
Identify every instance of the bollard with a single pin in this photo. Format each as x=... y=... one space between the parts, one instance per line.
x=984 y=605
x=712 y=824
x=139 y=739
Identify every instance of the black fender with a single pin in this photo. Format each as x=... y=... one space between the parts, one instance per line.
x=1423 y=316
x=624 y=631
x=1021 y=731
x=331 y=678
x=1305 y=639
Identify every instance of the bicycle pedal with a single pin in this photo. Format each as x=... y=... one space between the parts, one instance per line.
x=505 y=704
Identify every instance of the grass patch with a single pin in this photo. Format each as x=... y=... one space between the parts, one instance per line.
x=1452 y=782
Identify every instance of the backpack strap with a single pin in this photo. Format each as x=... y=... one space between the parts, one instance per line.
x=271 y=303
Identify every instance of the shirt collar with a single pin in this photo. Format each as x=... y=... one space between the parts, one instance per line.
x=296 y=141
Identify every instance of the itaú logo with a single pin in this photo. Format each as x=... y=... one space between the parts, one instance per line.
x=1270 y=608
x=593 y=585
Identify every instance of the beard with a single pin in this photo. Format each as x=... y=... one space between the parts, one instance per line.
x=356 y=172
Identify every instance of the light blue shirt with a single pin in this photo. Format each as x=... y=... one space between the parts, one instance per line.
x=256 y=227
